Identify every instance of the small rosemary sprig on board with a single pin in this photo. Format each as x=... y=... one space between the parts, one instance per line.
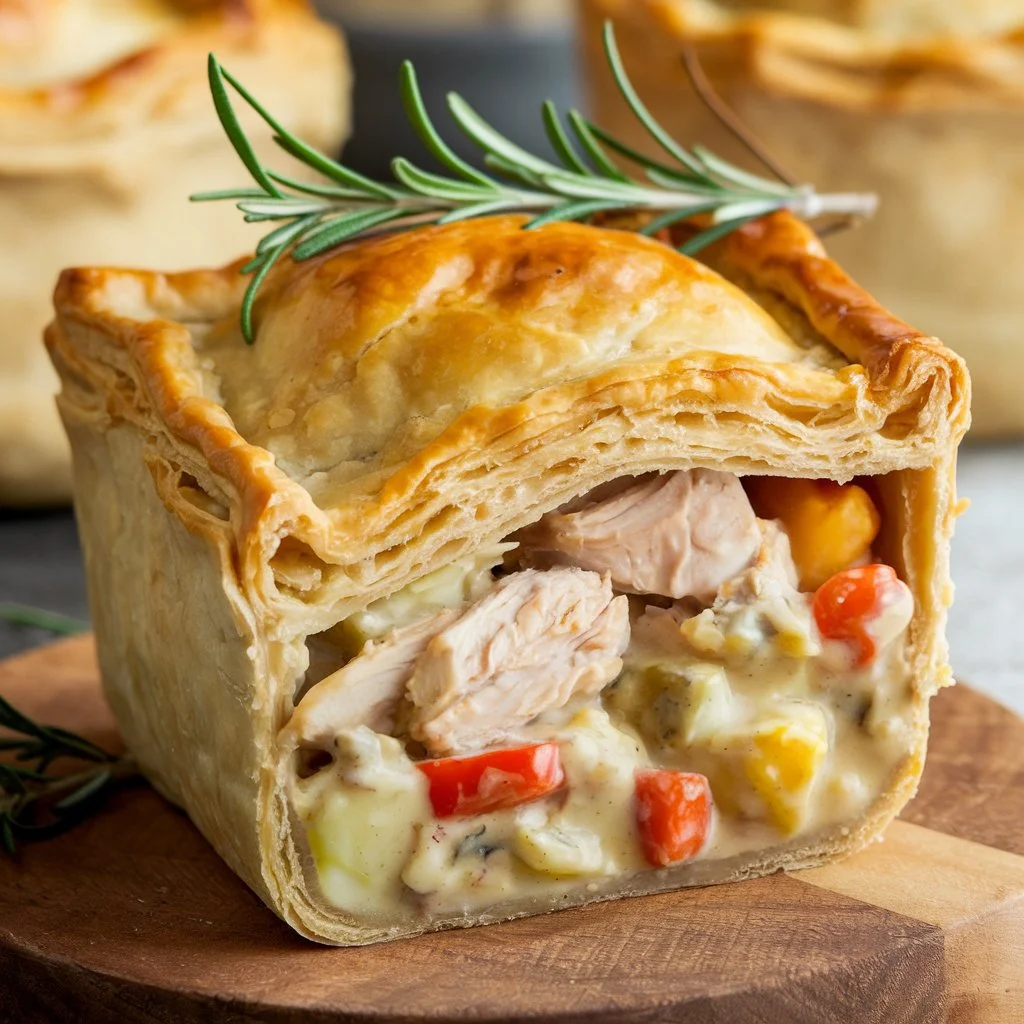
x=588 y=181
x=36 y=802
x=39 y=618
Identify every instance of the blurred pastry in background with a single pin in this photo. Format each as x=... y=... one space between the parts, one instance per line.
x=508 y=55
x=106 y=127
x=921 y=101
x=449 y=13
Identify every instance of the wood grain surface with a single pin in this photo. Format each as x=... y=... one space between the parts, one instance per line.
x=132 y=918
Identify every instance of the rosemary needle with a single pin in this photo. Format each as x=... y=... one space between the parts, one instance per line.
x=309 y=219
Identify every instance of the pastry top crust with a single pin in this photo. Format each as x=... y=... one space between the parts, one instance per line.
x=411 y=398
x=71 y=71
x=856 y=54
x=364 y=356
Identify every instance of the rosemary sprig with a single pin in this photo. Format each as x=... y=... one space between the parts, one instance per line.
x=36 y=802
x=39 y=618
x=588 y=180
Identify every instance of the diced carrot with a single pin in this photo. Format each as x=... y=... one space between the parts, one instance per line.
x=673 y=814
x=830 y=526
x=847 y=603
x=464 y=786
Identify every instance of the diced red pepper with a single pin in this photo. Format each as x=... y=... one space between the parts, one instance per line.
x=845 y=605
x=673 y=814
x=464 y=786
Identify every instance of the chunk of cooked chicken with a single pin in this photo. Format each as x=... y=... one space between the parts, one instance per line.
x=678 y=535
x=535 y=641
x=759 y=602
x=367 y=690
x=759 y=606
x=771 y=573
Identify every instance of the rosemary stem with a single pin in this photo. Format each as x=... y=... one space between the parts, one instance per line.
x=813 y=204
x=807 y=204
x=124 y=767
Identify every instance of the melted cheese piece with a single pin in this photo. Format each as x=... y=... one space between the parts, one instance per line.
x=359 y=831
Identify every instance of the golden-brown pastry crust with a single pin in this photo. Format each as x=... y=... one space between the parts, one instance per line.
x=97 y=166
x=922 y=103
x=536 y=387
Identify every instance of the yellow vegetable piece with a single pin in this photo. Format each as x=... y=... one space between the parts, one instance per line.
x=831 y=526
x=703 y=633
x=795 y=644
x=783 y=763
x=559 y=850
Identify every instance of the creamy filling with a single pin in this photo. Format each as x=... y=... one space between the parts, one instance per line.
x=791 y=714
x=379 y=847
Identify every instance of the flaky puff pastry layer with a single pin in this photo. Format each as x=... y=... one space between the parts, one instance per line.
x=415 y=397
x=106 y=127
x=920 y=102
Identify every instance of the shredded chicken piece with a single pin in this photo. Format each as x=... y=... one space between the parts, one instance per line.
x=656 y=630
x=771 y=574
x=766 y=590
x=678 y=535
x=535 y=641
x=368 y=689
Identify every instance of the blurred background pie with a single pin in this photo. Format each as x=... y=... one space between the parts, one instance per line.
x=106 y=126
x=921 y=101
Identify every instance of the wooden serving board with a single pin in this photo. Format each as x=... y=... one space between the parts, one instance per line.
x=132 y=917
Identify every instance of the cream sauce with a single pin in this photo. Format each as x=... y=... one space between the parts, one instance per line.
x=378 y=846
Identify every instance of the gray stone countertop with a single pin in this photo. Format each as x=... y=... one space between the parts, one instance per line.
x=40 y=564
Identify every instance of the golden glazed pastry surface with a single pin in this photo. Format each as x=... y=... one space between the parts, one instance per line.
x=106 y=127
x=402 y=335
x=412 y=400
x=922 y=103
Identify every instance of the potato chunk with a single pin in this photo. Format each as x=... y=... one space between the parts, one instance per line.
x=831 y=526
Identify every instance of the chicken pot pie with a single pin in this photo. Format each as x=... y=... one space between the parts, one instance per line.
x=921 y=101
x=510 y=570
x=105 y=125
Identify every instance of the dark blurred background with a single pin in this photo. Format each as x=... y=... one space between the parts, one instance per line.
x=40 y=566
x=504 y=68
